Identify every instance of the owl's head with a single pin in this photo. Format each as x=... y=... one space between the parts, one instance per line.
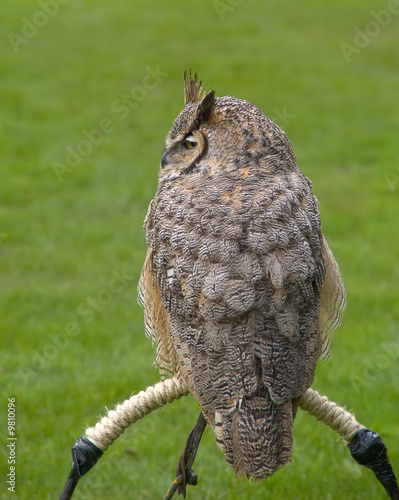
x=214 y=134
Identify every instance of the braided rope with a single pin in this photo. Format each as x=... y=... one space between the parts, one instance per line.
x=110 y=427
x=326 y=411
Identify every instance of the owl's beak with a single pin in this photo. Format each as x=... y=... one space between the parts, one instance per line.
x=164 y=160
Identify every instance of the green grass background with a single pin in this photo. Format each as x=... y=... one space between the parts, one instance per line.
x=61 y=241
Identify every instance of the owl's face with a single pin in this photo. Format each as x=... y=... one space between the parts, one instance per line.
x=188 y=140
x=219 y=134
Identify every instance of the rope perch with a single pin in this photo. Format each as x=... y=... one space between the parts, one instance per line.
x=366 y=446
x=110 y=427
x=326 y=411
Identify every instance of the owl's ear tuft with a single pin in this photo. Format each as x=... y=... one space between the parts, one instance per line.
x=205 y=106
x=194 y=92
x=193 y=89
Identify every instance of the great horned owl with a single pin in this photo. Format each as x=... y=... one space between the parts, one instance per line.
x=239 y=286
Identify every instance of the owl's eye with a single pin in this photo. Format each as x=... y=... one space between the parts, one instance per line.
x=190 y=142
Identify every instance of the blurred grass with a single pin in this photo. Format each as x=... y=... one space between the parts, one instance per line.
x=62 y=242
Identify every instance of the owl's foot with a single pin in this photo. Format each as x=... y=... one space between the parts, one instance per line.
x=368 y=449
x=184 y=472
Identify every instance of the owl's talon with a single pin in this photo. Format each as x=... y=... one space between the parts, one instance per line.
x=192 y=478
x=187 y=458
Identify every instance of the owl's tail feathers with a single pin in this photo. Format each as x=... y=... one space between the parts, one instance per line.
x=257 y=437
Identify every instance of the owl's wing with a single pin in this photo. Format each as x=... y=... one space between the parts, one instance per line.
x=157 y=326
x=333 y=299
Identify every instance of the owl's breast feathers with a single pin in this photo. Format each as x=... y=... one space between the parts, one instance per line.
x=240 y=291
